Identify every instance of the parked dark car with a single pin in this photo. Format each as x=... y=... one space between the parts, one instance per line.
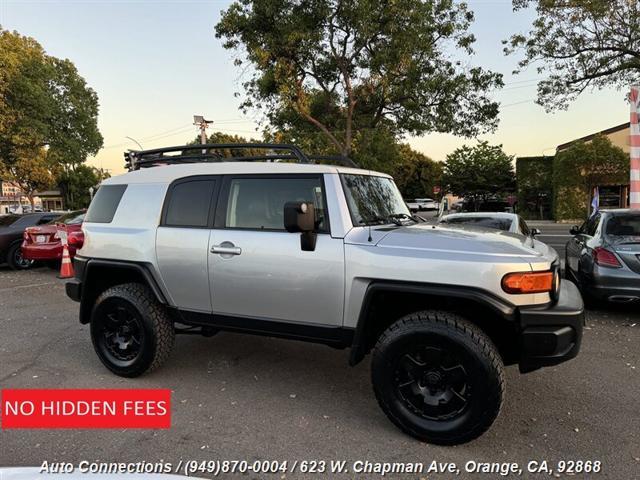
x=11 y=231
x=603 y=257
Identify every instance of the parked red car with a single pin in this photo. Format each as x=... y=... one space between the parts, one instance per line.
x=42 y=242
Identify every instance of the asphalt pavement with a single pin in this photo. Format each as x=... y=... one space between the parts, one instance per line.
x=246 y=398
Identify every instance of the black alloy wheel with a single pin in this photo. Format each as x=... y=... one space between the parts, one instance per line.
x=15 y=259
x=121 y=333
x=131 y=332
x=438 y=377
x=432 y=383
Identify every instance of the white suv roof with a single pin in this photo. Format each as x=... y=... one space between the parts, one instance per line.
x=168 y=173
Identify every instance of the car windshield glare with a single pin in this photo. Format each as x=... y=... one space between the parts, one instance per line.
x=623 y=228
x=487 y=222
x=373 y=200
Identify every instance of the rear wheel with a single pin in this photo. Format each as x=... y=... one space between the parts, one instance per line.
x=131 y=332
x=15 y=259
x=438 y=377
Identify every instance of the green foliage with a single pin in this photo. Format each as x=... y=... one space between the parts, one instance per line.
x=580 y=168
x=43 y=102
x=535 y=187
x=31 y=171
x=415 y=173
x=479 y=172
x=345 y=68
x=75 y=184
x=578 y=45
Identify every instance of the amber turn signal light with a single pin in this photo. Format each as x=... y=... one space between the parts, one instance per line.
x=528 y=282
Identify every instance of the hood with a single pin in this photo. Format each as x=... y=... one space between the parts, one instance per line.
x=459 y=239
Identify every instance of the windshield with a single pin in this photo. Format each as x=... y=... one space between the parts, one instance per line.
x=623 y=228
x=487 y=222
x=7 y=220
x=373 y=200
x=73 y=218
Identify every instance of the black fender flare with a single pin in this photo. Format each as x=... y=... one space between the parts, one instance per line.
x=499 y=306
x=84 y=267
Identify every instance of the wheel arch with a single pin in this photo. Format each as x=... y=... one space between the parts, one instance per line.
x=385 y=302
x=97 y=275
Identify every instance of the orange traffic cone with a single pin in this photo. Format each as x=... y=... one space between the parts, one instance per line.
x=66 y=268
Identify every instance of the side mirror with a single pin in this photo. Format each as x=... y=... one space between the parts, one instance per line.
x=301 y=217
x=536 y=231
x=575 y=230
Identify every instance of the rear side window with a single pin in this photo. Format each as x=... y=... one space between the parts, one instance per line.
x=105 y=203
x=189 y=204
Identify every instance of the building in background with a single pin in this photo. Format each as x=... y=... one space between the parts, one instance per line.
x=51 y=200
x=534 y=177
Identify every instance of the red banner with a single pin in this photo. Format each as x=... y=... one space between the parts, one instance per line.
x=85 y=408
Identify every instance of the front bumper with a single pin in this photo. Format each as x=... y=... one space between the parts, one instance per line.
x=552 y=334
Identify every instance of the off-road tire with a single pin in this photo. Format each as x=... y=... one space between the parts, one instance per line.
x=156 y=327
x=455 y=336
x=13 y=253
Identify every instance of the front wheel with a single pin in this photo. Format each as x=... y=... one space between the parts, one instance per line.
x=131 y=332
x=438 y=377
x=15 y=259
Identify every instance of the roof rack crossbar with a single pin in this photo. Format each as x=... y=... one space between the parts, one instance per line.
x=212 y=152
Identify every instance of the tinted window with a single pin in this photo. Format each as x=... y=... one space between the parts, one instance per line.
x=258 y=203
x=189 y=204
x=105 y=203
x=486 y=222
x=524 y=228
x=623 y=226
x=372 y=200
x=8 y=220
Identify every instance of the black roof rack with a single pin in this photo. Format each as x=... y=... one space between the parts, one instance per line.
x=215 y=152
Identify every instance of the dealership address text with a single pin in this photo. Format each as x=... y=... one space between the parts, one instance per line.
x=359 y=467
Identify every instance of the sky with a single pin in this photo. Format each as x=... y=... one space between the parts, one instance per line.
x=156 y=63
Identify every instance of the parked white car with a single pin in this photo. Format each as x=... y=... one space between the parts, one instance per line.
x=422 y=204
x=508 y=222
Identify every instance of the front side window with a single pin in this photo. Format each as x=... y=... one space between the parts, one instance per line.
x=373 y=200
x=189 y=204
x=258 y=203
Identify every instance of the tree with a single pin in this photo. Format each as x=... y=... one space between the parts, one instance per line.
x=479 y=172
x=415 y=173
x=580 y=44
x=31 y=172
x=348 y=67
x=44 y=102
x=75 y=183
x=582 y=167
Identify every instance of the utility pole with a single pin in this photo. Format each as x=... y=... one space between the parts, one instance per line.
x=203 y=124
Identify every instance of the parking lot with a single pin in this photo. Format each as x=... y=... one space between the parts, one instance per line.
x=245 y=398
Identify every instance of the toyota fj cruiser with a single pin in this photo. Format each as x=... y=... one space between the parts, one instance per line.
x=279 y=245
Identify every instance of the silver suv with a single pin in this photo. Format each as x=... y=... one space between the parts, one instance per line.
x=277 y=245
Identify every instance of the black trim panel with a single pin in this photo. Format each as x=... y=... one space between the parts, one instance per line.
x=76 y=287
x=334 y=336
x=358 y=348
